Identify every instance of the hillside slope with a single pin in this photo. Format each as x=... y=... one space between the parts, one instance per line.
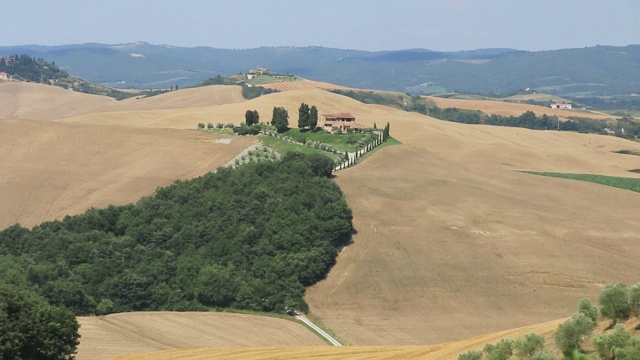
x=21 y=100
x=448 y=351
x=49 y=170
x=598 y=70
x=131 y=333
x=450 y=233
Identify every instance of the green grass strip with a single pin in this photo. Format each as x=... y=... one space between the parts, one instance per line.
x=632 y=184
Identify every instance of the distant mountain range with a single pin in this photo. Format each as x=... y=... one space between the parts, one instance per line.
x=592 y=71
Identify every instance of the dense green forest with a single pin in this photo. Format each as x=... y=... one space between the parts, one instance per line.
x=609 y=103
x=32 y=329
x=622 y=127
x=24 y=67
x=592 y=71
x=249 y=238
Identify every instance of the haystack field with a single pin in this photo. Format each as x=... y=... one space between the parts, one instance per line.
x=113 y=335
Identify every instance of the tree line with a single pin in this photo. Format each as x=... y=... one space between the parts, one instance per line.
x=24 y=67
x=622 y=127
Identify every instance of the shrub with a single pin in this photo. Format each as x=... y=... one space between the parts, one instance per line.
x=571 y=333
x=200 y=125
x=542 y=355
x=614 y=301
x=471 y=355
x=634 y=299
x=500 y=351
x=631 y=351
x=588 y=309
x=209 y=125
x=220 y=125
x=528 y=345
x=607 y=344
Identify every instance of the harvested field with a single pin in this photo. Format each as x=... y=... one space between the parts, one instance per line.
x=181 y=99
x=49 y=170
x=226 y=113
x=20 y=100
x=132 y=333
x=453 y=242
x=435 y=352
x=507 y=109
x=450 y=233
x=302 y=84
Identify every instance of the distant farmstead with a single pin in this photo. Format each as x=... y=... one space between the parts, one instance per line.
x=259 y=71
x=560 y=105
x=342 y=121
x=4 y=76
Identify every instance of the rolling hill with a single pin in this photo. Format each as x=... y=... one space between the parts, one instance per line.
x=105 y=337
x=52 y=169
x=452 y=242
x=592 y=71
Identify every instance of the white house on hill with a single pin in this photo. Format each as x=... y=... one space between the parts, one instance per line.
x=560 y=105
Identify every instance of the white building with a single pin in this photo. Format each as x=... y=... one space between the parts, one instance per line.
x=560 y=105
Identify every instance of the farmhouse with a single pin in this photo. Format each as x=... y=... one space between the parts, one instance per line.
x=560 y=105
x=342 y=121
x=4 y=76
x=259 y=71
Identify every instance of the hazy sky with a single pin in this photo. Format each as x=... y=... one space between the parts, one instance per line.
x=348 y=24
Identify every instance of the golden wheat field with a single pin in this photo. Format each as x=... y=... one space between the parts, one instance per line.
x=113 y=335
x=452 y=242
x=515 y=109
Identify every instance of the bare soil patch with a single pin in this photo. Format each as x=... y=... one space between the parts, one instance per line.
x=133 y=333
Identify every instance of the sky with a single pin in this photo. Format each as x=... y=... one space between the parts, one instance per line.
x=441 y=25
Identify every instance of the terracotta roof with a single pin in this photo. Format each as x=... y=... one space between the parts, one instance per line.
x=342 y=124
x=339 y=116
